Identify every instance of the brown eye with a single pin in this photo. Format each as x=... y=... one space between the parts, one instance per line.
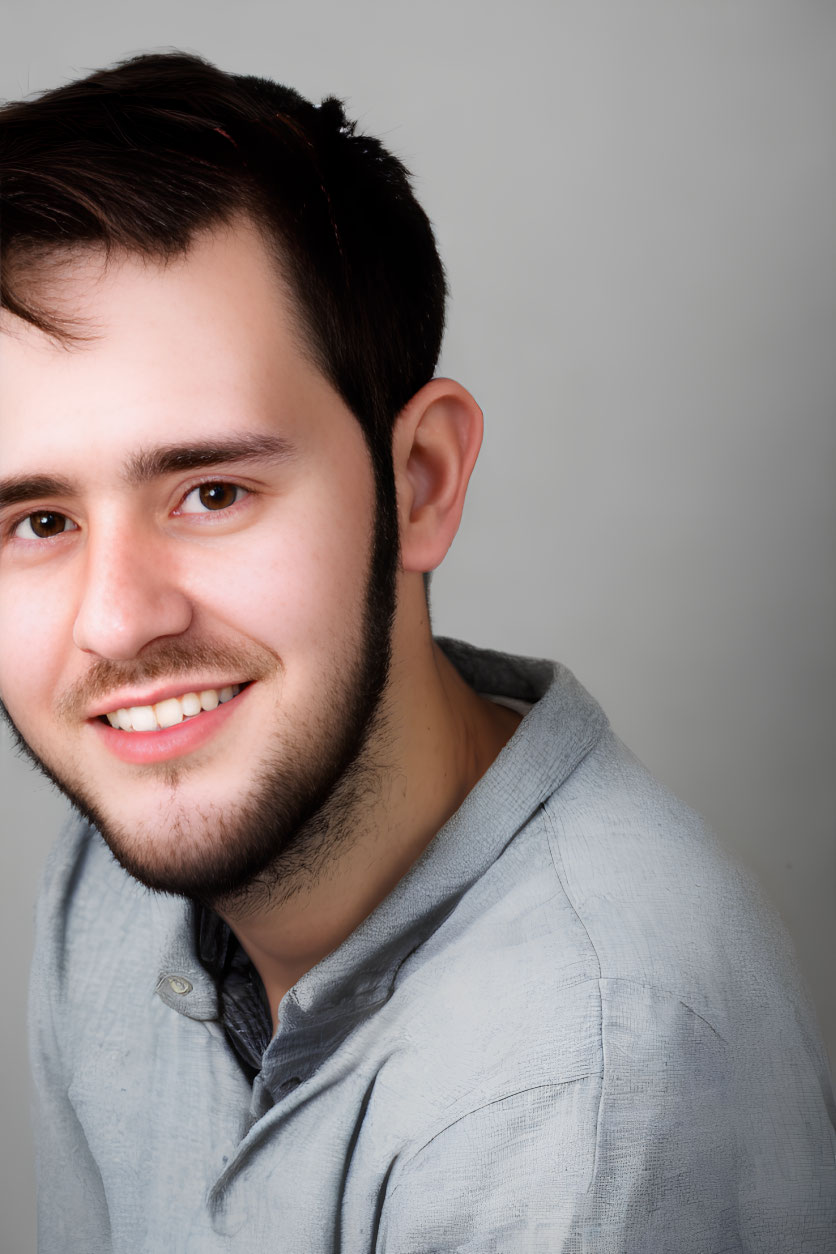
x=213 y=497
x=218 y=495
x=46 y=524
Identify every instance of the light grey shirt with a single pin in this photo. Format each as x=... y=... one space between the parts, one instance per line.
x=574 y=1026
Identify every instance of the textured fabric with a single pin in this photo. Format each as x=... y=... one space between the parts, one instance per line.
x=574 y=1026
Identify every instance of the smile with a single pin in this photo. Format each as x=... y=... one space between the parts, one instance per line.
x=168 y=713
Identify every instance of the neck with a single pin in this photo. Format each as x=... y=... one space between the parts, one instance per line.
x=438 y=740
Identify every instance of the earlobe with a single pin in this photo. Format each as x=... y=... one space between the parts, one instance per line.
x=435 y=445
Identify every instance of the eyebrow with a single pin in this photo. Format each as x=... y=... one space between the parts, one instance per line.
x=169 y=459
x=149 y=464
x=27 y=487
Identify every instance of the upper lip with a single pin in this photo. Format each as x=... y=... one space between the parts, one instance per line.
x=127 y=697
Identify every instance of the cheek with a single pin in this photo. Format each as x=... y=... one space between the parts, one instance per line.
x=297 y=586
x=35 y=644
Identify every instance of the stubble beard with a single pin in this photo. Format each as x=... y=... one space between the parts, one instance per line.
x=306 y=798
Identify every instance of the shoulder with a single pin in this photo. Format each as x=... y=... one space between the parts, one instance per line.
x=660 y=901
x=614 y=934
x=613 y=880
x=622 y=1043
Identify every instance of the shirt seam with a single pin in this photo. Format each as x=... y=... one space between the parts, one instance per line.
x=495 y=1101
x=562 y=878
x=591 y=1073
x=560 y=872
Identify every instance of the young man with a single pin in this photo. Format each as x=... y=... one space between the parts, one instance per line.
x=429 y=962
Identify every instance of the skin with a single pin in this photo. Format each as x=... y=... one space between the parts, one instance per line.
x=145 y=588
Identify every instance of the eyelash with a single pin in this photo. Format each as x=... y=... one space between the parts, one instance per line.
x=10 y=527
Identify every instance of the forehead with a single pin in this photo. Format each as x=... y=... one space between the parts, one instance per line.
x=204 y=344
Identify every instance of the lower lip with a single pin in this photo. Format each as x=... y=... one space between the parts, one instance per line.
x=146 y=748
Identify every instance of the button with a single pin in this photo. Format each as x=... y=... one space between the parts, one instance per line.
x=178 y=985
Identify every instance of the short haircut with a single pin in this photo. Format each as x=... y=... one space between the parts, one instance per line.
x=141 y=157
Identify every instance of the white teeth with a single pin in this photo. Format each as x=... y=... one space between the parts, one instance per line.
x=169 y=713
x=143 y=718
x=172 y=711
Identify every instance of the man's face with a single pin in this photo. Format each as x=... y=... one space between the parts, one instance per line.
x=211 y=524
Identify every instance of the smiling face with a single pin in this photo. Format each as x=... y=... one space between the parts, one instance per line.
x=195 y=590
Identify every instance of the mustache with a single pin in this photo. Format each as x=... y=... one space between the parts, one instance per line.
x=170 y=659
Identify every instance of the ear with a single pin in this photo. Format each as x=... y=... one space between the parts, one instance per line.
x=435 y=444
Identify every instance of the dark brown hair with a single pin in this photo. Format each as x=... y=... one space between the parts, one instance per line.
x=142 y=156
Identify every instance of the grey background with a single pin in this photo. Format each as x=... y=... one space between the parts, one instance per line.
x=636 y=203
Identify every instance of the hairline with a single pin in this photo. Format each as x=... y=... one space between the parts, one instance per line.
x=73 y=331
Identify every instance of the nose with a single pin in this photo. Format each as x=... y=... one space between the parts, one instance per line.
x=130 y=597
